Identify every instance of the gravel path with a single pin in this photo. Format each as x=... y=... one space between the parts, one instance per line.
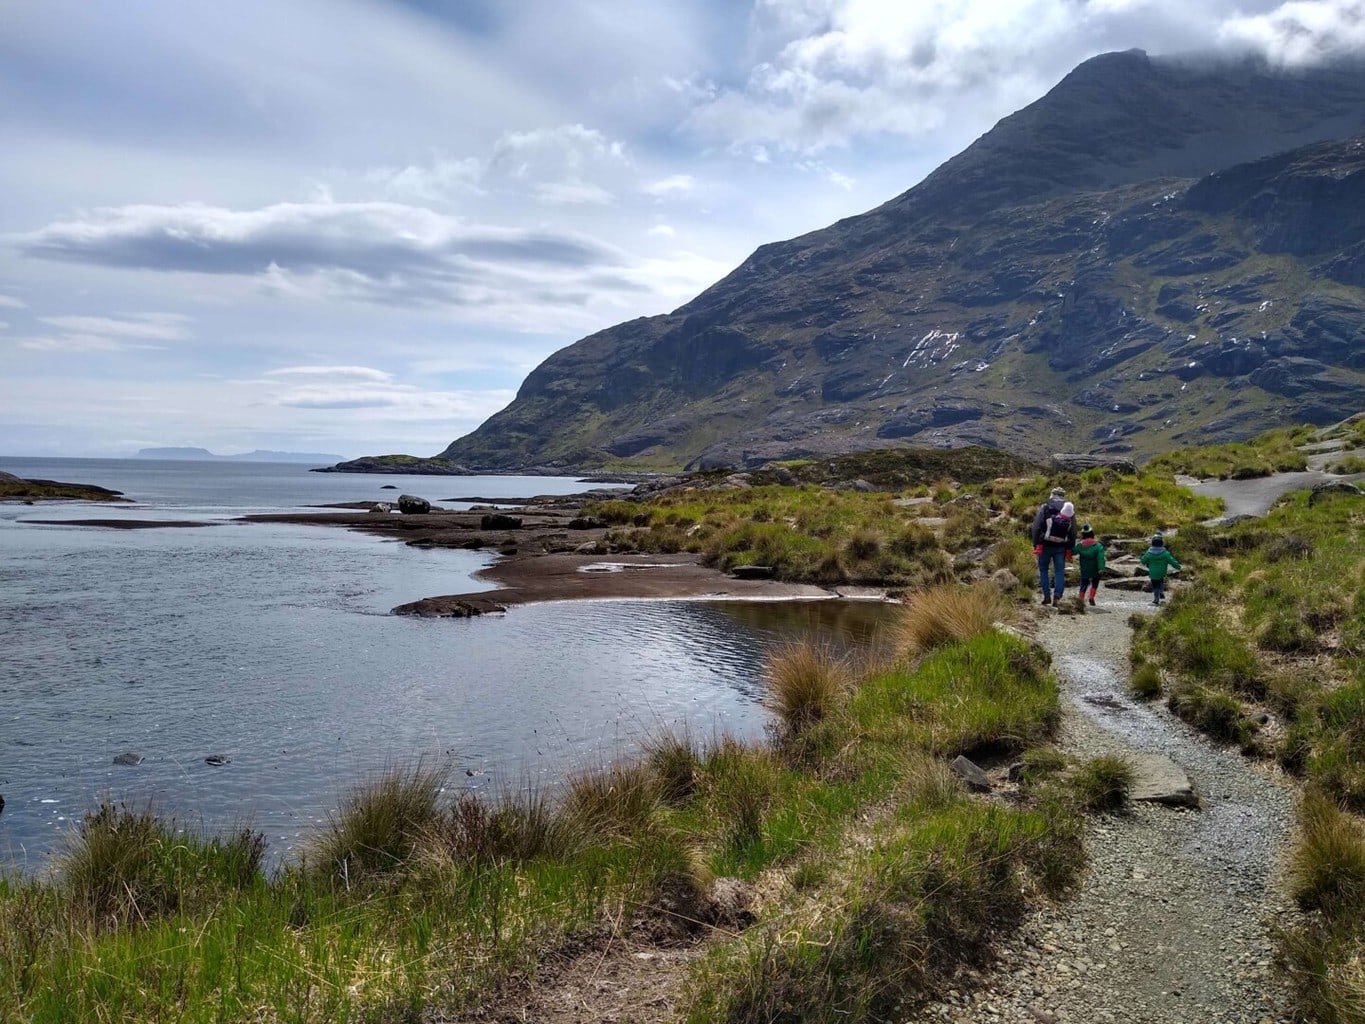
x=1170 y=925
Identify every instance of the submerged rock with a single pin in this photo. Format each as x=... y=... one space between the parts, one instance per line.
x=128 y=757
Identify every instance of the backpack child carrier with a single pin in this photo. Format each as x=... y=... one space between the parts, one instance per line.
x=1057 y=529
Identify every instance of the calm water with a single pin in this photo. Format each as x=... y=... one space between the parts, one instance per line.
x=271 y=645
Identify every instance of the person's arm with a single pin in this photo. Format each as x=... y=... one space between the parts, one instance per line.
x=1174 y=563
x=1100 y=564
x=1038 y=521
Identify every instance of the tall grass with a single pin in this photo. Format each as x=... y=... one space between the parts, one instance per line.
x=123 y=864
x=379 y=824
x=947 y=614
x=805 y=683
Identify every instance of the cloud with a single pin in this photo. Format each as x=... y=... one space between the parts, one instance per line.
x=438 y=180
x=374 y=393
x=1302 y=32
x=378 y=252
x=360 y=372
x=569 y=192
x=830 y=73
x=677 y=184
x=662 y=231
x=10 y=302
x=151 y=326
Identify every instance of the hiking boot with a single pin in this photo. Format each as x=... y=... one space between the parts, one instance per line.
x=1092 y=600
x=1046 y=599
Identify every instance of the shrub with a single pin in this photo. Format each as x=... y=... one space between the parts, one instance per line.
x=946 y=614
x=1102 y=783
x=805 y=682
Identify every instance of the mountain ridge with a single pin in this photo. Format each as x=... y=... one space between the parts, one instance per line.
x=1038 y=283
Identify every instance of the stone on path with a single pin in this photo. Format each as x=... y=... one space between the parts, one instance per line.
x=1159 y=780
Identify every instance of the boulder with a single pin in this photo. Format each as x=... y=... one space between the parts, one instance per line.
x=499 y=521
x=1080 y=462
x=971 y=773
x=587 y=523
x=1005 y=580
x=753 y=572
x=411 y=505
x=129 y=758
x=381 y=508
x=1329 y=487
x=449 y=607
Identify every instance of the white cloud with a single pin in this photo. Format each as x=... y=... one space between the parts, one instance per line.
x=151 y=326
x=10 y=302
x=571 y=192
x=662 y=231
x=438 y=180
x=1302 y=31
x=342 y=372
x=673 y=185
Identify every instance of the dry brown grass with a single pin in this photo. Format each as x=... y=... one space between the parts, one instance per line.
x=946 y=614
x=806 y=681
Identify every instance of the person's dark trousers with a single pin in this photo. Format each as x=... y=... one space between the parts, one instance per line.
x=1054 y=559
x=1158 y=591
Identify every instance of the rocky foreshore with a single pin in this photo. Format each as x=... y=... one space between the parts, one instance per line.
x=15 y=488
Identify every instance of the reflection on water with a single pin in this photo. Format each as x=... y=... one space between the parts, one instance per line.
x=270 y=646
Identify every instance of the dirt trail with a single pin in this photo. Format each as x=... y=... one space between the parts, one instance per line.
x=1172 y=922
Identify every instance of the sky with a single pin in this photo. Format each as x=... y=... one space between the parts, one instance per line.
x=354 y=226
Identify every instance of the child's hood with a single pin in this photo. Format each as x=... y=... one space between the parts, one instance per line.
x=1090 y=542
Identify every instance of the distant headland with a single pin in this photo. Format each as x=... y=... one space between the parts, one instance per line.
x=204 y=455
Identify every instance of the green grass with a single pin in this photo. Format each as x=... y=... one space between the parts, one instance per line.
x=1102 y=783
x=1272 y=452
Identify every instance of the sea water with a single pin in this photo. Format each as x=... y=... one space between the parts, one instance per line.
x=272 y=647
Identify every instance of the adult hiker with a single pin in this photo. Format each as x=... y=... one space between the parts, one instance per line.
x=1158 y=559
x=1090 y=558
x=1054 y=536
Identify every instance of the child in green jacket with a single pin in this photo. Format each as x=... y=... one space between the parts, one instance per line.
x=1158 y=559
x=1090 y=555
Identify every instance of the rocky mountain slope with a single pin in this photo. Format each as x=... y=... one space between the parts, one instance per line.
x=1156 y=252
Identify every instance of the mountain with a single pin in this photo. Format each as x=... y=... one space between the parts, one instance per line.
x=204 y=455
x=1158 y=251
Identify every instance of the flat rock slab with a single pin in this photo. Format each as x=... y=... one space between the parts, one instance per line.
x=1159 y=780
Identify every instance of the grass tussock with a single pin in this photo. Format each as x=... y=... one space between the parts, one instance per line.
x=1103 y=783
x=1145 y=681
x=806 y=682
x=616 y=800
x=379 y=824
x=123 y=864
x=948 y=614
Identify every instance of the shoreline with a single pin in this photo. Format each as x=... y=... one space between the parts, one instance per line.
x=543 y=559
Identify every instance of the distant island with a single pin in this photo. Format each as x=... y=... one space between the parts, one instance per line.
x=204 y=455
